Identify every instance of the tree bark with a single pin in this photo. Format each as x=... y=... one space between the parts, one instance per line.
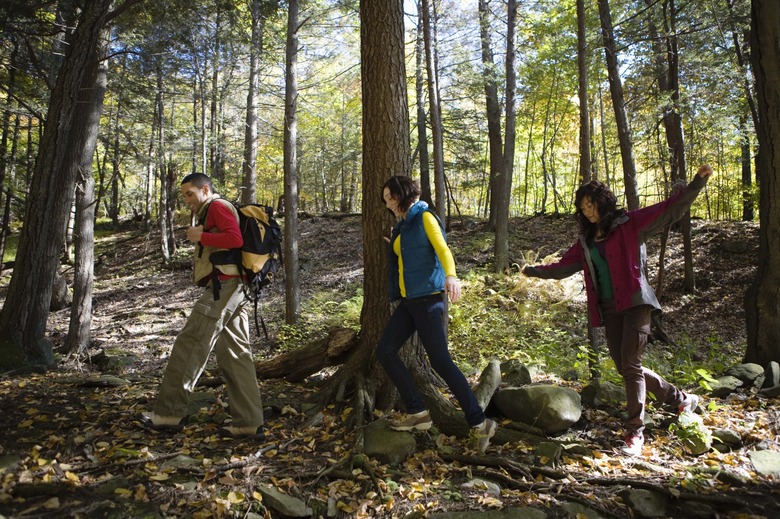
x=249 y=165
x=23 y=319
x=386 y=152
x=298 y=364
x=619 y=106
x=762 y=301
x=291 y=270
x=422 y=128
x=582 y=91
x=496 y=151
x=437 y=131
x=503 y=195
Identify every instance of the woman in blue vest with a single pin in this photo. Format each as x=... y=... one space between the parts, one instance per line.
x=420 y=270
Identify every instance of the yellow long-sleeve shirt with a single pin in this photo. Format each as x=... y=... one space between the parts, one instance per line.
x=439 y=244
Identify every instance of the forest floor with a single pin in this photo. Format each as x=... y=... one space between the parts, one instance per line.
x=71 y=444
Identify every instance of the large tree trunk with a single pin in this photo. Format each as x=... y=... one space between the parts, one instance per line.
x=24 y=316
x=619 y=106
x=386 y=152
x=291 y=275
x=762 y=301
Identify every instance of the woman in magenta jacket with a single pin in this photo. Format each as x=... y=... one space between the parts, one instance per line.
x=611 y=251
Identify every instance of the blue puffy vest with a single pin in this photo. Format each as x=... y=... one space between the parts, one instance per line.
x=423 y=272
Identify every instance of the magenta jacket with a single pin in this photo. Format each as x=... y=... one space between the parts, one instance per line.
x=625 y=253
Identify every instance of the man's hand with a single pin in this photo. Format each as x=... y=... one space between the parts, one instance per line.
x=194 y=233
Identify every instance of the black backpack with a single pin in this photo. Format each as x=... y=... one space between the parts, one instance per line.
x=260 y=257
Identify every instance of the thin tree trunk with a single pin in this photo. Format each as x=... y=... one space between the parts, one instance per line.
x=422 y=128
x=249 y=165
x=619 y=106
x=748 y=205
x=501 y=249
x=162 y=170
x=292 y=278
x=582 y=83
x=493 y=110
x=437 y=131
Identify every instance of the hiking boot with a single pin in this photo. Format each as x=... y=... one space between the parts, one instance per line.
x=484 y=432
x=162 y=423
x=256 y=433
x=689 y=404
x=413 y=422
x=633 y=444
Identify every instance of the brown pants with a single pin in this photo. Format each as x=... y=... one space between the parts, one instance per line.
x=223 y=326
x=627 y=334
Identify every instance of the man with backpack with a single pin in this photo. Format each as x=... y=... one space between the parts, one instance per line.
x=219 y=320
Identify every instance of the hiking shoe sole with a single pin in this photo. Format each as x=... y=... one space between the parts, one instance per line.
x=147 y=422
x=257 y=436
x=420 y=422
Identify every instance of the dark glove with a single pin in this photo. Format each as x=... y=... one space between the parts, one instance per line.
x=530 y=271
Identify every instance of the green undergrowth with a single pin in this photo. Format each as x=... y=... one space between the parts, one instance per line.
x=539 y=322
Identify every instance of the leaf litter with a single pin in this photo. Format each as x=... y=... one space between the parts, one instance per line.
x=72 y=446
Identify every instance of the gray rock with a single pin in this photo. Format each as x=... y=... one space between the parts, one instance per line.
x=483 y=485
x=724 y=386
x=749 y=373
x=386 y=445
x=645 y=502
x=552 y=409
x=772 y=374
x=696 y=509
x=8 y=461
x=549 y=452
x=515 y=374
x=286 y=505
x=581 y=511
x=766 y=462
x=772 y=392
x=734 y=246
x=603 y=393
x=727 y=437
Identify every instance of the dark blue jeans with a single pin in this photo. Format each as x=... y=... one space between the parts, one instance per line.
x=425 y=315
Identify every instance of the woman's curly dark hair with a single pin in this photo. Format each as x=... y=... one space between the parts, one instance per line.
x=402 y=188
x=606 y=202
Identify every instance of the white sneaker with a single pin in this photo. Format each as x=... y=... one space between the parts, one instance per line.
x=634 y=443
x=413 y=422
x=484 y=432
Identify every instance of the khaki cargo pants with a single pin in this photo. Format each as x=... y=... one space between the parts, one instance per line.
x=221 y=325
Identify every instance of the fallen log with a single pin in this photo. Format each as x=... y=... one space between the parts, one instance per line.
x=298 y=364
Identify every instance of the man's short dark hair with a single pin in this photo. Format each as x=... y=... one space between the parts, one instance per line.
x=198 y=180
